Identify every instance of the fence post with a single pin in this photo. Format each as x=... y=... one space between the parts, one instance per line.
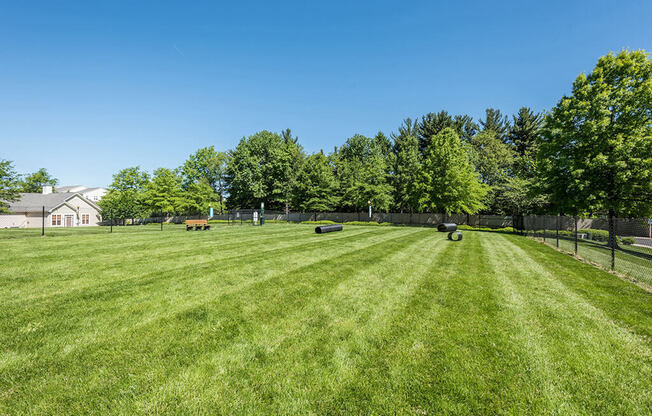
x=545 y=225
x=557 y=226
x=575 y=235
x=43 y=222
x=161 y=223
x=614 y=241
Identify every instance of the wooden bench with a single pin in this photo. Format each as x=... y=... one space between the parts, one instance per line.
x=197 y=225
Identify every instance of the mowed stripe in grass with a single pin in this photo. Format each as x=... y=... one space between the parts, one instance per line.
x=125 y=302
x=158 y=254
x=154 y=291
x=368 y=321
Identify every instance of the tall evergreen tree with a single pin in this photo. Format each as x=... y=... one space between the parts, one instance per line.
x=525 y=130
x=433 y=123
x=496 y=122
x=524 y=136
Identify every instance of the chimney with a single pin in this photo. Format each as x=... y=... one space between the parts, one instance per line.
x=47 y=189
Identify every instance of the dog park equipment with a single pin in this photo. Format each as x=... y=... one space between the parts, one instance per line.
x=197 y=225
x=451 y=229
x=321 y=229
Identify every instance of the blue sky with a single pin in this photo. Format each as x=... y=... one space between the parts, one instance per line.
x=87 y=88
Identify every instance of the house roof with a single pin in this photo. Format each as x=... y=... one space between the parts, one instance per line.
x=35 y=202
x=69 y=188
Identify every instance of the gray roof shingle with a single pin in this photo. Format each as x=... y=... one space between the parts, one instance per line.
x=63 y=189
x=36 y=202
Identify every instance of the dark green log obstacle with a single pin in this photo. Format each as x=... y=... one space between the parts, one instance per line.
x=328 y=228
x=451 y=229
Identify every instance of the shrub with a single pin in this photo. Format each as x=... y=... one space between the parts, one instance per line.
x=628 y=240
x=321 y=222
x=499 y=230
x=595 y=235
x=374 y=223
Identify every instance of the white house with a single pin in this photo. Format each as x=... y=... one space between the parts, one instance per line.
x=92 y=194
x=62 y=209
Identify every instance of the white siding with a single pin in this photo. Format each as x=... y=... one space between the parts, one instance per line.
x=94 y=195
x=34 y=220
x=76 y=207
x=12 y=220
x=80 y=207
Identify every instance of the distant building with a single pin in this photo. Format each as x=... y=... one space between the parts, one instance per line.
x=62 y=209
x=92 y=194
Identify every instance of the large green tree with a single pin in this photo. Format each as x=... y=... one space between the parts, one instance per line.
x=209 y=166
x=259 y=170
x=407 y=164
x=448 y=182
x=297 y=158
x=125 y=198
x=9 y=185
x=197 y=198
x=163 y=193
x=595 y=153
x=493 y=160
x=316 y=187
x=362 y=173
x=517 y=196
x=34 y=182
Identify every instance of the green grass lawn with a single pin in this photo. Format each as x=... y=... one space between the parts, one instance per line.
x=277 y=319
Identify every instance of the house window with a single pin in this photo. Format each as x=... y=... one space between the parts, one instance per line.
x=85 y=219
x=56 y=219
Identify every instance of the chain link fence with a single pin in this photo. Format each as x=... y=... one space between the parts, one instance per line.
x=588 y=239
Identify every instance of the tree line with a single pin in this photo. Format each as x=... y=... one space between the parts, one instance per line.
x=437 y=163
x=590 y=154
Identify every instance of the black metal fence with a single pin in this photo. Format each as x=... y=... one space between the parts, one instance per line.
x=588 y=239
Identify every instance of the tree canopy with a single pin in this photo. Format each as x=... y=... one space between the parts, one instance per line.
x=34 y=182
x=591 y=154
x=448 y=182
x=596 y=149
x=9 y=184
